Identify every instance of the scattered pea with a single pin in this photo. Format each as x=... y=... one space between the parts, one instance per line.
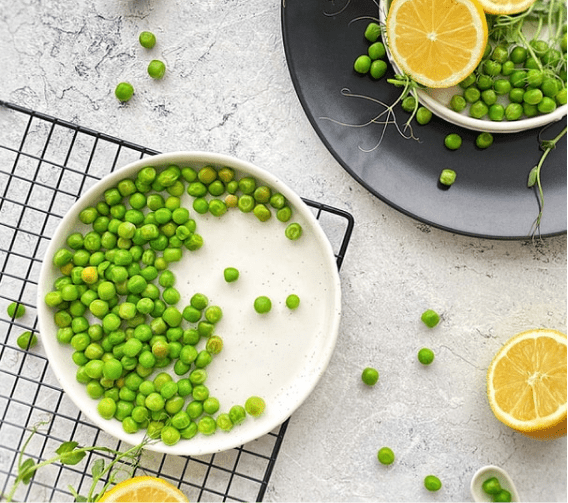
x=231 y=274
x=293 y=231
x=292 y=301
x=262 y=304
x=26 y=340
x=425 y=356
x=430 y=318
x=16 y=310
x=385 y=456
x=362 y=64
x=447 y=177
x=124 y=91
x=370 y=376
x=453 y=141
x=432 y=483
x=484 y=140
x=156 y=69
x=147 y=39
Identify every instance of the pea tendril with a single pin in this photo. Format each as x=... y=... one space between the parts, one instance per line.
x=534 y=179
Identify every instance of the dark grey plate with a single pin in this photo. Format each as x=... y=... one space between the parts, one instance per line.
x=490 y=197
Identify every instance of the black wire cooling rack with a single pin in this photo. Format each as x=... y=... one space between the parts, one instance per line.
x=45 y=165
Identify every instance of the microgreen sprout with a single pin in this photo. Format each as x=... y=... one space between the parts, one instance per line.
x=70 y=453
x=534 y=180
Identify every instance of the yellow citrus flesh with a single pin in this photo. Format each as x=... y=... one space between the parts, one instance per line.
x=505 y=6
x=144 y=488
x=526 y=383
x=436 y=42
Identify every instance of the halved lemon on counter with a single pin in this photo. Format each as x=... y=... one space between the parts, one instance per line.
x=437 y=43
x=144 y=488
x=526 y=383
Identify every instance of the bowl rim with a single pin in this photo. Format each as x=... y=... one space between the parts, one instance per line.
x=235 y=438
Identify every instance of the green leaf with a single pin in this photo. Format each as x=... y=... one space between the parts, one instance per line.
x=533 y=174
x=68 y=454
x=67 y=447
x=26 y=470
x=97 y=468
x=76 y=495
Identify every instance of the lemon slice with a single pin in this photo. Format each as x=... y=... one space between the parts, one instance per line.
x=144 y=488
x=526 y=383
x=505 y=6
x=438 y=43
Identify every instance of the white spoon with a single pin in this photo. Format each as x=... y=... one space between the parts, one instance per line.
x=486 y=473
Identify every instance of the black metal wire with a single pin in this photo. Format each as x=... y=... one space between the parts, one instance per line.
x=225 y=475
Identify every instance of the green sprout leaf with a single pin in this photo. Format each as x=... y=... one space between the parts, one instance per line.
x=26 y=470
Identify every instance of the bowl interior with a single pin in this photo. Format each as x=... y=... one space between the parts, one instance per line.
x=280 y=355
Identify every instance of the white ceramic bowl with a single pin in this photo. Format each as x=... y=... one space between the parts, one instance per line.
x=437 y=101
x=488 y=472
x=280 y=355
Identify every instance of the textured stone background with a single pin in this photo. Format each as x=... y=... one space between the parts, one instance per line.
x=228 y=90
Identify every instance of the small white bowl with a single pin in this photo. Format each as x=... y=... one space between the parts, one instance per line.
x=280 y=355
x=437 y=100
x=486 y=473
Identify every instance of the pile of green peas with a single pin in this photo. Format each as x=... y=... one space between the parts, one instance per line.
x=513 y=83
x=116 y=303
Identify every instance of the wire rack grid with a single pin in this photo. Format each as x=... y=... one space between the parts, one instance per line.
x=46 y=164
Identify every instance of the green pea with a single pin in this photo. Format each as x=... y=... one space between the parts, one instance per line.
x=453 y=141
x=170 y=435
x=26 y=340
x=561 y=97
x=224 y=422
x=262 y=304
x=156 y=69
x=16 y=310
x=491 y=68
x=430 y=318
x=513 y=111
x=489 y=97
x=432 y=483
x=502 y=87
x=246 y=203
x=502 y=495
x=535 y=78
x=231 y=274
x=385 y=455
x=207 y=425
x=370 y=376
x=376 y=51
x=423 y=116
x=203 y=359
x=472 y=94
x=491 y=486
x=518 y=55
x=372 y=32
x=546 y=105
x=293 y=231
x=447 y=177
x=550 y=87
x=200 y=392
x=124 y=91
x=458 y=103
x=214 y=345
x=508 y=68
x=292 y=301
x=378 y=68
x=516 y=95
x=237 y=414
x=518 y=78
x=262 y=212
x=255 y=406
x=478 y=110
x=468 y=81
x=211 y=405
x=484 y=140
x=362 y=64
x=425 y=356
x=409 y=103
x=500 y=54
x=106 y=408
x=496 y=112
